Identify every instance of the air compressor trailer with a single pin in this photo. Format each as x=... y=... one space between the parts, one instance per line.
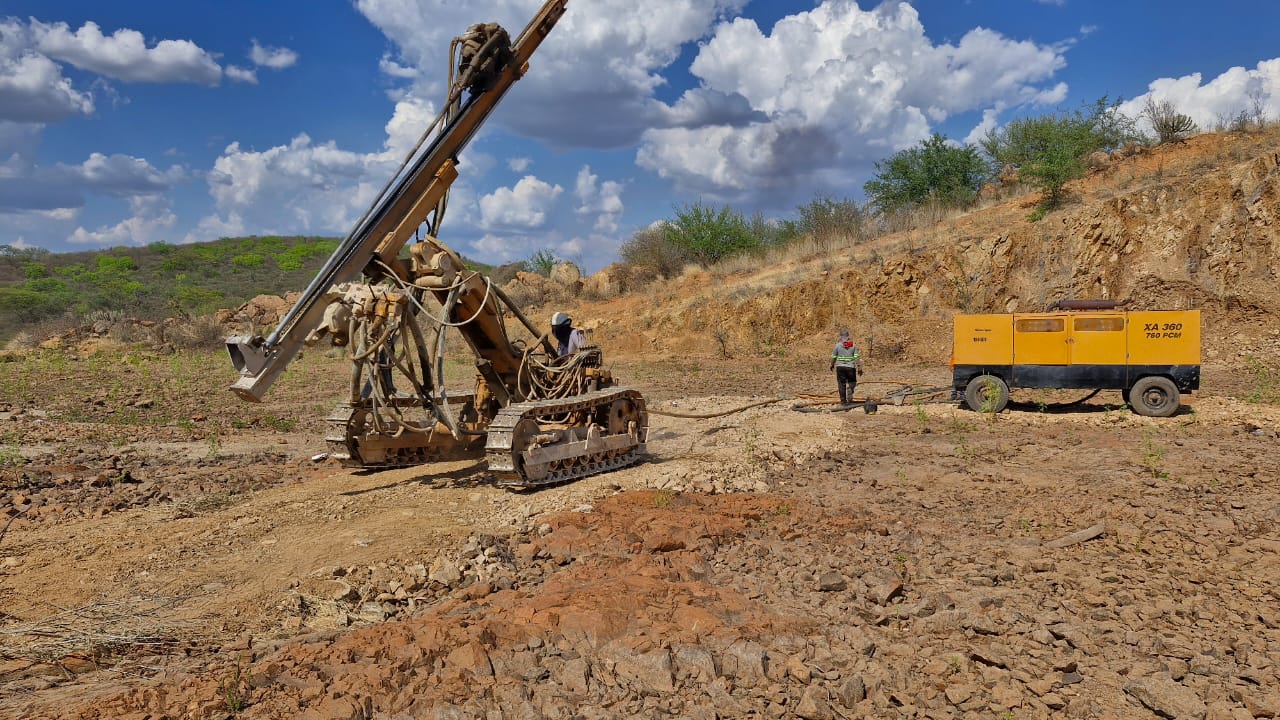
x=1153 y=357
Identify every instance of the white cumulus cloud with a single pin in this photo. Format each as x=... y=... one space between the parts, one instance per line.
x=524 y=206
x=32 y=87
x=604 y=59
x=28 y=188
x=411 y=118
x=276 y=58
x=389 y=67
x=121 y=175
x=299 y=187
x=603 y=201
x=1219 y=100
x=836 y=88
x=244 y=75
x=124 y=54
x=150 y=220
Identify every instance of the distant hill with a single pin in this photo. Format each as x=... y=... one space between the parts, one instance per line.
x=155 y=281
x=151 y=282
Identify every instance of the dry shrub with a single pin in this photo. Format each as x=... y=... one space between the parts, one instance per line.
x=892 y=349
x=98 y=630
x=504 y=274
x=22 y=341
x=618 y=279
x=527 y=296
x=196 y=333
x=60 y=326
x=914 y=218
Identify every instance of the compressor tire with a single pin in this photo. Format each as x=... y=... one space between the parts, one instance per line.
x=1154 y=396
x=975 y=394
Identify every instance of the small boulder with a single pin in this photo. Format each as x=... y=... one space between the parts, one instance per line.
x=1167 y=698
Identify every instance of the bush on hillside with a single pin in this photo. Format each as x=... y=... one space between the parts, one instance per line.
x=827 y=222
x=1050 y=150
x=542 y=262
x=934 y=171
x=709 y=235
x=650 y=247
x=1168 y=124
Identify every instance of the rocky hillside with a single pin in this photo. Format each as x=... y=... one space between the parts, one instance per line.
x=1192 y=225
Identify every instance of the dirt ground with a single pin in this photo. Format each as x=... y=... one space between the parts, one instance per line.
x=174 y=553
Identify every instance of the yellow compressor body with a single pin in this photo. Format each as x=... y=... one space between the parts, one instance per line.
x=1152 y=356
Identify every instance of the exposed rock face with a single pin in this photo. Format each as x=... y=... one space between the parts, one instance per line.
x=263 y=311
x=1167 y=233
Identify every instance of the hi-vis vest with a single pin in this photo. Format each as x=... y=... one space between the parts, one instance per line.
x=846 y=357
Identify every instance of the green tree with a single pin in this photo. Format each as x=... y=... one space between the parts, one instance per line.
x=113 y=284
x=247 y=261
x=542 y=261
x=35 y=271
x=48 y=286
x=1050 y=150
x=189 y=300
x=270 y=245
x=708 y=235
x=29 y=306
x=933 y=171
x=295 y=257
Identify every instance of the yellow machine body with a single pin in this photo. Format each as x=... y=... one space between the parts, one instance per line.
x=1096 y=349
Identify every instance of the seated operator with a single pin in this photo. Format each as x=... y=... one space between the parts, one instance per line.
x=569 y=339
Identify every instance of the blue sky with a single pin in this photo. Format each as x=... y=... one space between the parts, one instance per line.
x=134 y=122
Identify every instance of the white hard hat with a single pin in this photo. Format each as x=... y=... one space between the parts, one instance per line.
x=559 y=319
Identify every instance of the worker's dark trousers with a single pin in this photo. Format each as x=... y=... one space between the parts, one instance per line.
x=846 y=379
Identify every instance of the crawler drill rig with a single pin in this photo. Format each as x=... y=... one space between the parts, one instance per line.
x=539 y=418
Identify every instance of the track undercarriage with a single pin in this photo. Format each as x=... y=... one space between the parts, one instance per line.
x=546 y=442
x=526 y=445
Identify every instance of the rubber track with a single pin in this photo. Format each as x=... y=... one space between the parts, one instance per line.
x=501 y=457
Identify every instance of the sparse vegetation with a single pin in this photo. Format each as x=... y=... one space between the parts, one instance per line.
x=1266 y=382
x=214 y=444
x=900 y=565
x=1152 y=455
x=922 y=416
x=1050 y=150
x=991 y=398
x=1168 y=124
x=235 y=687
x=828 y=222
x=11 y=457
x=280 y=424
x=542 y=262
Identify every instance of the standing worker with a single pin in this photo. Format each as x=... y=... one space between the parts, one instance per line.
x=847 y=362
x=569 y=339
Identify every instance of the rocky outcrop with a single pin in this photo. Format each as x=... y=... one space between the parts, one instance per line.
x=262 y=312
x=1160 y=228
